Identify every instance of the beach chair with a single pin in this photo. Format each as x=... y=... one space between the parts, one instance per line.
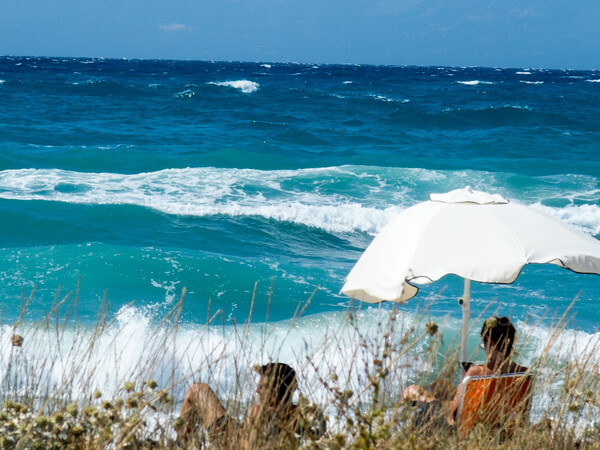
x=499 y=402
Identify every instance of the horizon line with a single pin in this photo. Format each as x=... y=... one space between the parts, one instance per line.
x=217 y=61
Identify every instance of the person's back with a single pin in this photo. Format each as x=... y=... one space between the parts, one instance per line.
x=272 y=426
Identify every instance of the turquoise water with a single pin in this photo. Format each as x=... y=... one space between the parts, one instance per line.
x=144 y=177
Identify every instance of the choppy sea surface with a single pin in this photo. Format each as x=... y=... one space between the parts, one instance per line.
x=141 y=177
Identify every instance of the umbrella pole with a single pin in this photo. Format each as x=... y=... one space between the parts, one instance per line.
x=466 y=310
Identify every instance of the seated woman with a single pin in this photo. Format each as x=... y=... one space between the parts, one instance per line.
x=498 y=337
x=273 y=417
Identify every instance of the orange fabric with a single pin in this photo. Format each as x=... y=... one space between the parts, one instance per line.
x=496 y=401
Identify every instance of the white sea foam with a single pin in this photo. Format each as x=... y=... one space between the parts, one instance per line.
x=531 y=82
x=593 y=81
x=131 y=348
x=246 y=86
x=266 y=66
x=523 y=73
x=583 y=217
x=188 y=93
x=336 y=199
x=2 y=81
x=274 y=195
x=383 y=98
x=347 y=82
x=474 y=82
x=488 y=108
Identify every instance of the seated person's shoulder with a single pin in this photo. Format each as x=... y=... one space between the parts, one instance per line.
x=476 y=371
x=519 y=369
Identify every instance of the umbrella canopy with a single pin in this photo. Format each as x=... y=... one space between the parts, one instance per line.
x=475 y=235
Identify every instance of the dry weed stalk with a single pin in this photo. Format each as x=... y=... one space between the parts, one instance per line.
x=358 y=392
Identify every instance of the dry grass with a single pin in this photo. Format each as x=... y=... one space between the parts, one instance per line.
x=66 y=385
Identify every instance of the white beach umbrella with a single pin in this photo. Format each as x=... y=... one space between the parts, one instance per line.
x=475 y=235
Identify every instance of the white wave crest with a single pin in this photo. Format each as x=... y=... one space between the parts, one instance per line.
x=474 y=82
x=188 y=93
x=523 y=73
x=583 y=217
x=383 y=98
x=594 y=81
x=246 y=86
x=131 y=348
x=531 y=82
x=335 y=199
x=297 y=196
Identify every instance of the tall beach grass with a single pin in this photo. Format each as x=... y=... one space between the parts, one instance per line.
x=120 y=382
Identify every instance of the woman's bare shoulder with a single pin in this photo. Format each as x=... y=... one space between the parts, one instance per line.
x=476 y=371
x=519 y=369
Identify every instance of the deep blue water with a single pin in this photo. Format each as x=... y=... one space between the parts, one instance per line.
x=143 y=177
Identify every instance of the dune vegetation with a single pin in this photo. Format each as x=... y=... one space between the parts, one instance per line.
x=54 y=397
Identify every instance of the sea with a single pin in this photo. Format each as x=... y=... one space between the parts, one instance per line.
x=249 y=190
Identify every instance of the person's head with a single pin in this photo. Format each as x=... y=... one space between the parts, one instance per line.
x=277 y=382
x=498 y=333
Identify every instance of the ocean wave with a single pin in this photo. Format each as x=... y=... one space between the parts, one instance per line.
x=132 y=348
x=507 y=107
x=593 y=81
x=317 y=346
x=523 y=73
x=583 y=217
x=188 y=93
x=474 y=82
x=246 y=86
x=311 y=197
x=336 y=199
x=383 y=98
x=531 y=82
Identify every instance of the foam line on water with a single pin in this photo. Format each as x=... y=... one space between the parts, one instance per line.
x=335 y=199
x=583 y=217
x=331 y=199
x=474 y=82
x=246 y=86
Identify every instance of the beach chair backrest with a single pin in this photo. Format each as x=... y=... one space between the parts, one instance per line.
x=496 y=401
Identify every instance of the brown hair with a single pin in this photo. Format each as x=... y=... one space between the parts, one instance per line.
x=501 y=333
x=281 y=378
